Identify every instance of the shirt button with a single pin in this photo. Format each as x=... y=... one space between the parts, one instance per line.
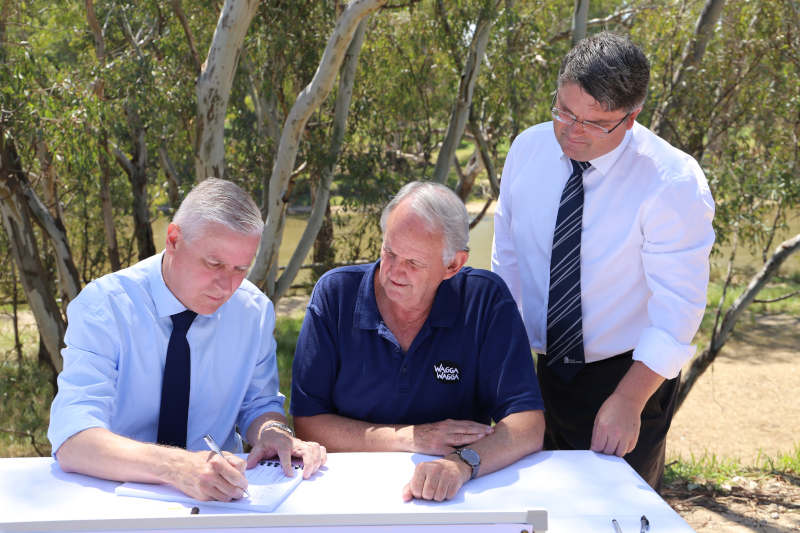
x=403 y=370
x=396 y=348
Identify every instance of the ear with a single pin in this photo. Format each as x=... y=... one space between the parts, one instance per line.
x=455 y=265
x=173 y=238
x=632 y=118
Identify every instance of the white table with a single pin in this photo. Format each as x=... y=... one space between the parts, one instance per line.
x=581 y=492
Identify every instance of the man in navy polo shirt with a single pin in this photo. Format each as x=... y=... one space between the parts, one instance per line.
x=417 y=353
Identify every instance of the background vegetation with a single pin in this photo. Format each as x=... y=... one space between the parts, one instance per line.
x=98 y=140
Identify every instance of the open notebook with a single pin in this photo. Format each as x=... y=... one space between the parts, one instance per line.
x=268 y=487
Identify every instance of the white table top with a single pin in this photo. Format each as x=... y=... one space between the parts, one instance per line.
x=581 y=491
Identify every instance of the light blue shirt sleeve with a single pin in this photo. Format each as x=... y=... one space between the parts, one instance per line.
x=260 y=397
x=87 y=393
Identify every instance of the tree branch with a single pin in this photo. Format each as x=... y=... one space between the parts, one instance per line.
x=176 y=6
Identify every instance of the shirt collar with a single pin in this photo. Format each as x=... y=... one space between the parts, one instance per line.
x=604 y=163
x=166 y=302
x=444 y=312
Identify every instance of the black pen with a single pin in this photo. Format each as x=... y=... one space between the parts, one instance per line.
x=645 y=524
x=214 y=448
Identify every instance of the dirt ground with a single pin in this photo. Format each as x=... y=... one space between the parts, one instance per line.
x=746 y=404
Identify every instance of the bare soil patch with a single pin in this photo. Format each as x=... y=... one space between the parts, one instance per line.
x=745 y=405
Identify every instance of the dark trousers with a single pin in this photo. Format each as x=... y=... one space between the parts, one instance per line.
x=570 y=410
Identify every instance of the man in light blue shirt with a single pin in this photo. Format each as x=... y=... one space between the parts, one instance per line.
x=109 y=414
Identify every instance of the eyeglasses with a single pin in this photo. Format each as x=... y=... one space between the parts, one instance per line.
x=589 y=127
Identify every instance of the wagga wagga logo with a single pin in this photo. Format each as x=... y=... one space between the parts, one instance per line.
x=446 y=372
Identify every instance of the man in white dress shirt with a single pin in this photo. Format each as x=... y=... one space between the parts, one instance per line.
x=637 y=214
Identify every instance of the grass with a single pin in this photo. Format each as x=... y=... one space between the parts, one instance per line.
x=716 y=471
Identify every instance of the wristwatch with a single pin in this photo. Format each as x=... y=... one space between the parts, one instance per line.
x=280 y=425
x=470 y=457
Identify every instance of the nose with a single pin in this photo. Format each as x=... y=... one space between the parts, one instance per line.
x=576 y=129
x=225 y=282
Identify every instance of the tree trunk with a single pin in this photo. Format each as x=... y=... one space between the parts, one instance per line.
x=306 y=103
x=25 y=250
x=320 y=213
x=105 y=178
x=50 y=217
x=579 y=18
x=693 y=53
x=136 y=169
x=173 y=178
x=511 y=64
x=466 y=88
x=108 y=208
x=214 y=87
x=723 y=332
x=466 y=179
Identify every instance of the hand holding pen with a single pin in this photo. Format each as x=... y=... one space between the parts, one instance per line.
x=212 y=445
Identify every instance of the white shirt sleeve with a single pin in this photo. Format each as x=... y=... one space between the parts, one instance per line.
x=504 y=257
x=678 y=238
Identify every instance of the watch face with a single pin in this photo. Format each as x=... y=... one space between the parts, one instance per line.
x=471 y=457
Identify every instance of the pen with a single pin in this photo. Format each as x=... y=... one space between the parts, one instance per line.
x=616 y=526
x=645 y=524
x=214 y=448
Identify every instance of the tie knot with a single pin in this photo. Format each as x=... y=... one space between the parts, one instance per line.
x=578 y=167
x=183 y=321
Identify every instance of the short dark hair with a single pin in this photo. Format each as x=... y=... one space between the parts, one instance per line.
x=610 y=68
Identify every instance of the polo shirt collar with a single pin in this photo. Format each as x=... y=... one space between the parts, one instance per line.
x=444 y=313
x=166 y=303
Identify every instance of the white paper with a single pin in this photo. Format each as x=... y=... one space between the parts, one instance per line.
x=268 y=487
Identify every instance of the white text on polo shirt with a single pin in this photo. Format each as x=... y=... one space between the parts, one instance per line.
x=446 y=371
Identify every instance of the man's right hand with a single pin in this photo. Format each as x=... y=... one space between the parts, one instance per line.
x=206 y=476
x=441 y=438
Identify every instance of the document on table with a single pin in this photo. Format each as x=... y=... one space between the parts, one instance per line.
x=268 y=486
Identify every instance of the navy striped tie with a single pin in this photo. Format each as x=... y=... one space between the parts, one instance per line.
x=565 y=355
x=174 y=417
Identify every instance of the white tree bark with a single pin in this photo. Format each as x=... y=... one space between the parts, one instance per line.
x=341 y=110
x=306 y=103
x=50 y=217
x=214 y=87
x=579 y=19
x=692 y=56
x=466 y=88
x=25 y=250
x=723 y=331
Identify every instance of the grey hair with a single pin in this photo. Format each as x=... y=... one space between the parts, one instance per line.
x=218 y=201
x=440 y=210
x=610 y=68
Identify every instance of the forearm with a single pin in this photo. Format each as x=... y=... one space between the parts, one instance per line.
x=514 y=437
x=99 y=453
x=341 y=434
x=639 y=384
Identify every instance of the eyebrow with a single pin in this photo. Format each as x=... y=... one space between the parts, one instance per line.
x=568 y=110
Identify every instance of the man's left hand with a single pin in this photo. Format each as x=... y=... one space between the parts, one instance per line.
x=437 y=480
x=616 y=426
x=274 y=441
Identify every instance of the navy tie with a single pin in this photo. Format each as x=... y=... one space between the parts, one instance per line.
x=565 y=355
x=174 y=417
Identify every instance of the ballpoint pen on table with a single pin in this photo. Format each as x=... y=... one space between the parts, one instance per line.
x=616 y=526
x=645 y=524
x=214 y=448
